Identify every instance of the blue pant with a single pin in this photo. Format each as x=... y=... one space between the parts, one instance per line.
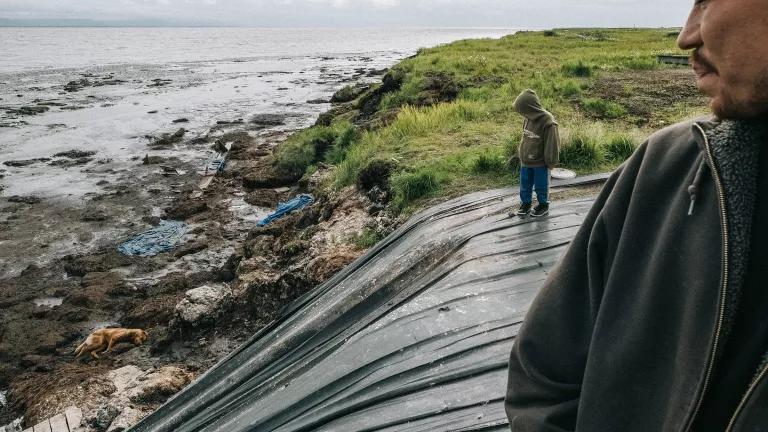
x=534 y=177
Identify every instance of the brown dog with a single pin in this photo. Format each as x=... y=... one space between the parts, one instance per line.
x=103 y=340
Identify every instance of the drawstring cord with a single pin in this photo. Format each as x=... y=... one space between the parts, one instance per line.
x=693 y=189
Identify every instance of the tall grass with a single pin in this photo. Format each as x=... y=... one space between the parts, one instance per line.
x=415 y=122
x=603 y=109
x=581 y=150
x=490 y=162
x=619 y=148
x=318 y=143
x=410 y=186
x=578 y=69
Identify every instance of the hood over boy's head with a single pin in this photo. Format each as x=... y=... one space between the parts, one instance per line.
x=529 y=105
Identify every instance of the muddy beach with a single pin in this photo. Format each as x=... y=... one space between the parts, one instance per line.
x=226 y=278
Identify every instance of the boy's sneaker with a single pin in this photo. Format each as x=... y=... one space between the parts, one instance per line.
x=540 y=210
x=523 y=210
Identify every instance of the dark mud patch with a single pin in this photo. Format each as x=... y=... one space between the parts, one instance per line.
x=75 y=154
x=24 y=199
x=168 y=139
x=25 y=162
x=654 y=98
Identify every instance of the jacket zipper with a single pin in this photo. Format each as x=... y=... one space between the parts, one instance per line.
x=724 y=287
x=746 y=397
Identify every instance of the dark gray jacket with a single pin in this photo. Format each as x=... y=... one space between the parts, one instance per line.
x=624 y=334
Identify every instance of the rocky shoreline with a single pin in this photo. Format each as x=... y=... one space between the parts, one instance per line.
x=225 y=280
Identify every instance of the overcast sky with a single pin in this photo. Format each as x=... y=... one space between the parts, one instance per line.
x=362 y=13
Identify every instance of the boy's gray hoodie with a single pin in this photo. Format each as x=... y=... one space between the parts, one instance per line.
x=540 y=145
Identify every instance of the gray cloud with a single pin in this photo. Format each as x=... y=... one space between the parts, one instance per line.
x=321 y=13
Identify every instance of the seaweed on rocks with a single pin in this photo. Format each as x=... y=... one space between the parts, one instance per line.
x=28 y=110
x=167 y=140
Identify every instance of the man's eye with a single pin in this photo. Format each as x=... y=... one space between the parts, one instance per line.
x=702 y=3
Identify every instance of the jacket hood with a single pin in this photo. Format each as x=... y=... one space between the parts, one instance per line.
x=529 y=105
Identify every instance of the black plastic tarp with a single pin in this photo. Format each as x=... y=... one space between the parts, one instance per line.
x=414 y=336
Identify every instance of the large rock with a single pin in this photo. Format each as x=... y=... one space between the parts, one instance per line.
x=158 y=310
x=323 y=267
x=265 y=174
x=125 y=377
x=125 y=419
x=157 y=386
x=266 y=120
x=95 y=263
x=202 y=305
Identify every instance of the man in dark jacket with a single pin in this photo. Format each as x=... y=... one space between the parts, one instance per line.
x=656 y=319
x=538 y=153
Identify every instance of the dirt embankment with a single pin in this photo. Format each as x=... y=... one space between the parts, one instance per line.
x=224 y=281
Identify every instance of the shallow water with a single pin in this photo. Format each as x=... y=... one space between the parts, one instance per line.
x=210 y=75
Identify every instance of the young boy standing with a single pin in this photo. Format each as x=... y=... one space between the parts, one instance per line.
x=538 y=152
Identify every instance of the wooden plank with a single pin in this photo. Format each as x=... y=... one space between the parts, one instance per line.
x=205 y=181
x=44 y=426
x=74 y=417
x=59 y=423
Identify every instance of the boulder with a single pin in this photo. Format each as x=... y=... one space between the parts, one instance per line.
x=157 y=386
x=104 y=416
x=323 y=267
x=265 y=174
x=128 y=417
x=268 y=119
x=203 y=304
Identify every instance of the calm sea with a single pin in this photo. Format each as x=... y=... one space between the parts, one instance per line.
x=36 y=48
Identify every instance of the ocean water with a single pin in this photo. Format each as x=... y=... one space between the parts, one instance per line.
x=205 y=75
x=53 y=48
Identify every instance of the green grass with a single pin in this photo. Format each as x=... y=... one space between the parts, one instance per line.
x=316 y=144
x=367 y=239
x=603 y=109
x=447 y=125
x=410 y=186
x=578 y=69
x=619 y=147
x=582 y=151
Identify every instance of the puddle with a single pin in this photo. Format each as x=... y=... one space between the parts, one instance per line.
x=246 y=212
x=50 y=302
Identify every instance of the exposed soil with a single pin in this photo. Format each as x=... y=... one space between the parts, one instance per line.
x=652 y=97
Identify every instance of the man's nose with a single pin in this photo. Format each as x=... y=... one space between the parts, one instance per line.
x=690 y=37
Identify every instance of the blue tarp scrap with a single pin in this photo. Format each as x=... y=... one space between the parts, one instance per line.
x=284 y=208
x=162 y=238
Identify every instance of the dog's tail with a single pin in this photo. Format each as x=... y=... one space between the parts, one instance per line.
x=79 y=350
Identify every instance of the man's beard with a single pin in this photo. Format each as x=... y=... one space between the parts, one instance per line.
x=755 y=108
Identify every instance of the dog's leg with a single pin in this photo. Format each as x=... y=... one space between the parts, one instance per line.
x=111 y=344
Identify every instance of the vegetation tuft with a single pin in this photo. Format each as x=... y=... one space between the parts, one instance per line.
x=619 y=148
x=367 y=239
x=578 y=69
x=408 y=187
x=603 y=109
x=582 y=151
